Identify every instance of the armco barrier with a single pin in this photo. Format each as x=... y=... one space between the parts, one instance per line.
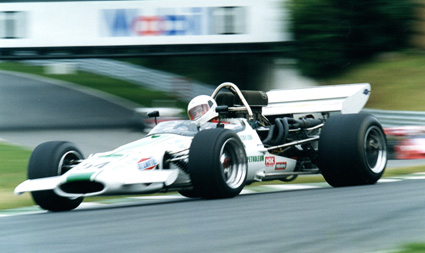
x=398 y=118
x=182 y=87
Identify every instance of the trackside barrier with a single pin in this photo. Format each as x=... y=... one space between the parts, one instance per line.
x=181 y=87
x=398 y=118
x=185 y=89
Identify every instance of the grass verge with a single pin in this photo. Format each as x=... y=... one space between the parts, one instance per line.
x=13 y=162
x=411 y=248
x=397 y=80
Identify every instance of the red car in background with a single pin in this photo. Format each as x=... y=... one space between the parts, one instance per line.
x=406 y=142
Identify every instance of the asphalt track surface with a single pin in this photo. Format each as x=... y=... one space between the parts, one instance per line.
x=375 y=218
x=34 y=110
x=30 y=102
x=350 y=219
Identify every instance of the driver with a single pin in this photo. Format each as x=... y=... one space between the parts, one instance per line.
x=201 y=109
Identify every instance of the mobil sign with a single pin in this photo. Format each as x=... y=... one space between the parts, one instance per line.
x=172 y=21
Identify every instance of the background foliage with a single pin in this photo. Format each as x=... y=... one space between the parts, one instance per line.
x=245 y=70
x=331 y=35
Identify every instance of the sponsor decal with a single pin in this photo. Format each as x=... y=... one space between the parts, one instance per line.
x=111 y=156
x=270 y=161
x=280 y=166
x=174 y=21
x=147 y=163
x=254 y=159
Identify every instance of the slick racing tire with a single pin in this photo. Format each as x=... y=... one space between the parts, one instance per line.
x=352 y=150
x=191 y=193
x=217 y=164
x=53 y=159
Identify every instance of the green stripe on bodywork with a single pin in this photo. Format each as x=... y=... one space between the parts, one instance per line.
x=84 y=176
x=111 y=156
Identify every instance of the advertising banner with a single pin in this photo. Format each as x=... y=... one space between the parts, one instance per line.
x=134 y=23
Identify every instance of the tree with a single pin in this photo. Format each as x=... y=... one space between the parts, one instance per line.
x=333 y=34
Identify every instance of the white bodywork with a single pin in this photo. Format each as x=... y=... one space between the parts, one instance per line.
x=138 y=167
x=132 y=168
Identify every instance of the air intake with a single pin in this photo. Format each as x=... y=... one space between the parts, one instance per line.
x=82 y=187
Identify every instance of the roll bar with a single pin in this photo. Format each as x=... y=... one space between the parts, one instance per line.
x=235 y=90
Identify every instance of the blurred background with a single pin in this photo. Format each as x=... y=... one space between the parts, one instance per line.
x=89 y=71
x=101 y=65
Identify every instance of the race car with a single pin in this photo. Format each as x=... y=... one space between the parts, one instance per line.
x=248 y=136
x=405 y=142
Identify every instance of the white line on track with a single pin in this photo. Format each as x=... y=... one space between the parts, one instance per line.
x=291 y=187
x=160 y=197
x=247 y=190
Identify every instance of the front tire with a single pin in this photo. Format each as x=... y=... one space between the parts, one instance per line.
x=53 y=159
x=217 y=164
x=352 y=150
x=191 y=193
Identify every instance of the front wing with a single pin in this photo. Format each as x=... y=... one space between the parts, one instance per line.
x=73 y=185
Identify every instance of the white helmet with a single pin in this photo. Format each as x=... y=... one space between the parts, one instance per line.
x=202 y=109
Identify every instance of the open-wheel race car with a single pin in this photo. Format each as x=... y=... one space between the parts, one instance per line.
x=242 y=137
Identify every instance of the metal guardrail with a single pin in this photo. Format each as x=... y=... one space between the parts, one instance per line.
x=398 y=118
x=180 y=86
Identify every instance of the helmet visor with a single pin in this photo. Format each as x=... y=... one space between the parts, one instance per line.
x=198 y=111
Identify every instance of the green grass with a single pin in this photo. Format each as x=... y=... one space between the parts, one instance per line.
x=397 y=81
x=411 y=248
x=13 y=162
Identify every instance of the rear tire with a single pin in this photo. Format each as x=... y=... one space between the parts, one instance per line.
x=51 y=159
x=352 y=150
x=217 y=164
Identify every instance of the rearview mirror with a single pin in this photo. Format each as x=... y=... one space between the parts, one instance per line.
x=154 y=114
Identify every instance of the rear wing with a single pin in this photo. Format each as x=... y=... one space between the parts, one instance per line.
x=346 y=98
